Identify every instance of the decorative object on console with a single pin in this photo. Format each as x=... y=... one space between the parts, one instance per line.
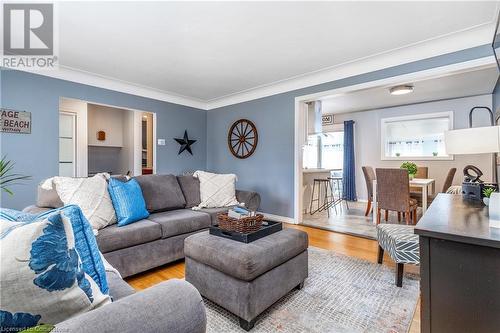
x=487 y=192
x=216 y=190
x=242 y=138
x=472 y=186
x=49 y=283
x=128 y=201
x=7 y=178
x=101 y=135
x=494 y=210
x=411 y=168
x=185 y=143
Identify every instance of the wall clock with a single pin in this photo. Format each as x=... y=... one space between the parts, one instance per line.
x=242 y=138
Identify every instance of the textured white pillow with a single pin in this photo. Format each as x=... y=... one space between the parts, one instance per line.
x=216 y=190
x=42 y=279
x=91 y=195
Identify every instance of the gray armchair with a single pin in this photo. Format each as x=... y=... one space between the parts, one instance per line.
x=173 y=306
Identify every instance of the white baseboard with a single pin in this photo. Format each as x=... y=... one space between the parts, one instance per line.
x=278 y=218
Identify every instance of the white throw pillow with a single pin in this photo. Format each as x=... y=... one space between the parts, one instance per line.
x=42 y=278
x=216 y=190
x=91 y=195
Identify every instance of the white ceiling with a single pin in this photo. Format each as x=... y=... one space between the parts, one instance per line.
x=208 y=50
x=469 y=83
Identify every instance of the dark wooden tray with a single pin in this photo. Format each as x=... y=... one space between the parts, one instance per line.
x=268 y=227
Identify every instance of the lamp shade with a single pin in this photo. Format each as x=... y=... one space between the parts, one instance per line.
x=477 y=140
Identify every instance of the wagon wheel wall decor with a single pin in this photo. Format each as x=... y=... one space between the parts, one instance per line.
x=242 y=138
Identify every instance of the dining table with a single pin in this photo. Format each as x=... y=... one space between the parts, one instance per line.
x=427 y=186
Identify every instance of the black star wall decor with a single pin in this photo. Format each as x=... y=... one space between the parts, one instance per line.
x=185 y=143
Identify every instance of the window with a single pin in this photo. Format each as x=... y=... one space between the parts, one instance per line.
x=325 y=150
x=419 y=137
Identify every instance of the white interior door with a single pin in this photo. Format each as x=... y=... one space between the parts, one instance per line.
x=67 y=144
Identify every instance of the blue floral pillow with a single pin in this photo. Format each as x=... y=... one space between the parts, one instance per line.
x=42 y=277
x=128 y=201
x=85 y=241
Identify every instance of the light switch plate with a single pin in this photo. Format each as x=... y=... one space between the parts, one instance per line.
x=161 y=142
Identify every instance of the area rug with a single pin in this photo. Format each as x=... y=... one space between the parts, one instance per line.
x=341 y=294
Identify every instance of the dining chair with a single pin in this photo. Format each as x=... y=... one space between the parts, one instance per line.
x=369 y=178
x=393 y=194
x=446 y=185
x=422 y=173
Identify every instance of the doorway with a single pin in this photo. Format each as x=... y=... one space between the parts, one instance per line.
x=368 y=143
x=95 y=138
x=147 y=157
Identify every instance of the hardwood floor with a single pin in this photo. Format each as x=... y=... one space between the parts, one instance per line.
x=349 y=245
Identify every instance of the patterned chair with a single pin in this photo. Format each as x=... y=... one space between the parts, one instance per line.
x=402 y=245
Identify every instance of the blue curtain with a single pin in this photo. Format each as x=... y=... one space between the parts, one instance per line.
x=349 y=172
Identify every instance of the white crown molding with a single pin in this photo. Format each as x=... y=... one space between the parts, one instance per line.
x=457 y=41
x=100 y=81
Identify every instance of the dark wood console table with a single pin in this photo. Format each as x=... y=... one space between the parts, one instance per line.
x=459 y=268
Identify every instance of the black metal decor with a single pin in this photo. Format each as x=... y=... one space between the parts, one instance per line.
x=185 y=143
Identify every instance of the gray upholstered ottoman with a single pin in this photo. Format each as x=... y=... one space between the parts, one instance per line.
x=243 y=278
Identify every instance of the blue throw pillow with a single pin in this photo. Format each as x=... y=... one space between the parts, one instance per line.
x=128 y=201
x=15 y=215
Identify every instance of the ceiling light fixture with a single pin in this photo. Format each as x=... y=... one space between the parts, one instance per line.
x=401 y=90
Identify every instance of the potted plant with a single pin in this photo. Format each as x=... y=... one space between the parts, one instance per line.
x=411 y=168
x=435 y=153
x=7 y=178
x=487 y=191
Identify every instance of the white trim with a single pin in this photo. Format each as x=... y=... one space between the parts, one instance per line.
x=101 y=81
x=461 y=40
x=137 y=151
x=155 y=143
x=453 y=42
x=300 y=123
x=383 y=121
x=435 y=72
x=278 y=218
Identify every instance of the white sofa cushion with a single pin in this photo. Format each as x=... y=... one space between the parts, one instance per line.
x=91 y=195
x=216 y=190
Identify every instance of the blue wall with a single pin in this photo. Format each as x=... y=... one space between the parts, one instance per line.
x=37 y=153
x=270 y=170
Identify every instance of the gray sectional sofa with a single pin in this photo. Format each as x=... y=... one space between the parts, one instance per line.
x=159 y=239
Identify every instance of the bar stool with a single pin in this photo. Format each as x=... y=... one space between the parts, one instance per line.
x=338 y=189
x=325 y=186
